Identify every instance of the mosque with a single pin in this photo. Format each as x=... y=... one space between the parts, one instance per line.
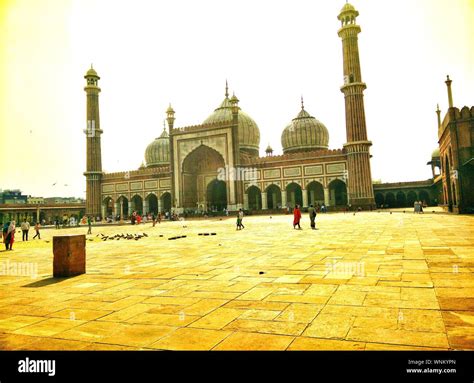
x=216 y=165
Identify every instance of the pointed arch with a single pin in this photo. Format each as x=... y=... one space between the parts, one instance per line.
x=273 y=192
x=254 y=198
x=315 y=192
x=294 y=194
x=337 y=193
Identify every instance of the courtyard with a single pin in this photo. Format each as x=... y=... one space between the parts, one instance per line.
x=365 y=281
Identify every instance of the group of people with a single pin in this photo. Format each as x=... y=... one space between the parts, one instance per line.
x=312 y=211
x=25 y=228
x=9 y=229
x=136 y=219
x=418 y=207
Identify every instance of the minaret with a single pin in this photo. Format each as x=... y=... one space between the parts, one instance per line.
x=438 y=113
x=450 y=93
x=170 y=119
x=93 y=171
x=359 y=178
x=238 y=184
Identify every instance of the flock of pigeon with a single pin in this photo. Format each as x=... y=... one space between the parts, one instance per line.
x=118 y=237
x=136 y=237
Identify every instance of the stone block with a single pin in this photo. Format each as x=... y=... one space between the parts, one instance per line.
x=69 y=255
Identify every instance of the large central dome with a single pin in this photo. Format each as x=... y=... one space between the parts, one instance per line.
x=304 y=133
x=249 y=135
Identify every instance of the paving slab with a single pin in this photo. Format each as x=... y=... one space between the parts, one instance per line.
x=361 y=282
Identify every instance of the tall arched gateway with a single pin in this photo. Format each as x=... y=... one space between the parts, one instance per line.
x=200 y=171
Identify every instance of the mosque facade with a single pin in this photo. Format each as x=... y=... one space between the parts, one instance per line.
x=216 y=165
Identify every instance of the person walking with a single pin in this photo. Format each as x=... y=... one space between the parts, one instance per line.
x=296 y=217
x=25 y=228
x=37 y=230
x=56 y=223
x=10 y=236
x=5 y=235
x=89 y=224
x=416 y=206
x=154 y=219
x=240 y=217
x=312 y=216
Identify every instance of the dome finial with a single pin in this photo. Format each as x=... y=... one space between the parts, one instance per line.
x=226 y=89
x=302 y=102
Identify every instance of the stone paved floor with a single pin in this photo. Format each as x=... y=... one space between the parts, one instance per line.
x=366 y=282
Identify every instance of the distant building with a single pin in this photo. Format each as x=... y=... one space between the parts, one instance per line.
x=35 y=200
x=456 y=156
x=404 y=194
x=63 y=200
x=13 y=196
x=452 y=166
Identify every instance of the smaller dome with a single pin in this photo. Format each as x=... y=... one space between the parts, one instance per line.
x=435 y=153
x=348 y=7
x=269 y=149
x=348 y=13
x=91 y=73
x=304 y=133
x=158 y=152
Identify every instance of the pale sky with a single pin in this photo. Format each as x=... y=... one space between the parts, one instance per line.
x=150 y=53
